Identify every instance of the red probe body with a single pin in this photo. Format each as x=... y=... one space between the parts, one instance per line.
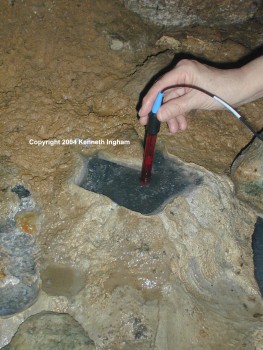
x=148 y=159
x=153 y=128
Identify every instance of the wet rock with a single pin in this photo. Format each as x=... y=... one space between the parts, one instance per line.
x=247 y=174
x=177 y=13
x=51 y=331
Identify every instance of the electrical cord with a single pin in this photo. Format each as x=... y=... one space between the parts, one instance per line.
x=222 y=102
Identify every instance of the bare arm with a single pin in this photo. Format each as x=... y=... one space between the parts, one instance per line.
x=236 y=86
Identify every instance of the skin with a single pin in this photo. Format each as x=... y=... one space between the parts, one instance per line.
x=236 y=86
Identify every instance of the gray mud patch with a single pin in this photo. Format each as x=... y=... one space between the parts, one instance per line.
x=122 y=184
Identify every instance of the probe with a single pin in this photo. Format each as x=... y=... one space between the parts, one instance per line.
x=153 y=128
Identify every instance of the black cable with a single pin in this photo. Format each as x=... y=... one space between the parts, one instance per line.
x=224 y=103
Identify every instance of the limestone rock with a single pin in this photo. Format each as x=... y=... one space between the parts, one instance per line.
x=50 y=331
x=211 y=47
x=185 y=266
x=168 y=41
x=259 y=14
x=190 y=12
x=247 y=174
x=184 y=276
x=223 y=51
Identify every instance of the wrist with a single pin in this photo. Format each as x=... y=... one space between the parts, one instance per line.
x=251 y=81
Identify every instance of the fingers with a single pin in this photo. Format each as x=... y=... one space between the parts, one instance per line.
x=182 y=74
x=174 y=108
x=182 y=122
x=176 y=124
x=174 y=93
x=178 y=105
x=144 y=120
x=173 y=112
x=148 y=100
x=169 y=111
x=177 y=101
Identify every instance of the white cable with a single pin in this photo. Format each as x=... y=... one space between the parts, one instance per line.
x=232 y=110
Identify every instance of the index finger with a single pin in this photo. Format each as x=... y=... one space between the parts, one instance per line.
x=151 y=95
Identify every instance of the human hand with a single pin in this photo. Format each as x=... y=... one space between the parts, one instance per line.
x=178 y=101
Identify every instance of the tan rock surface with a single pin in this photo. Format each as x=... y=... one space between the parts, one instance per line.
x=177 y=13
x=74 y=71
x=247 y=174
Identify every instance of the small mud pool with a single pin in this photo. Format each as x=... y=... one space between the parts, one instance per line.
x=62 y=280
x=120 y=183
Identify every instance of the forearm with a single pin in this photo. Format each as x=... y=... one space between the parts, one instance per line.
x=235 y=86
x=252 y=87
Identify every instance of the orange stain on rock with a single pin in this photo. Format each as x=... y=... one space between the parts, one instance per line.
x=27 y=222
x=2 y=275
